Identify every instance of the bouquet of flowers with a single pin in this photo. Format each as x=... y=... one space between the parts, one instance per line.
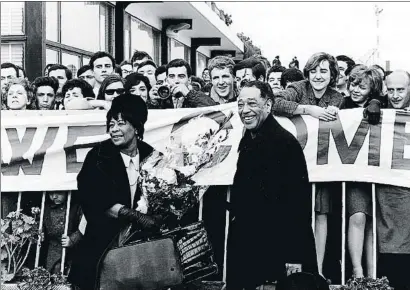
x=167 y=179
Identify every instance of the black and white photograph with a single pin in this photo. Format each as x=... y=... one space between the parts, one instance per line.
x=176 y=145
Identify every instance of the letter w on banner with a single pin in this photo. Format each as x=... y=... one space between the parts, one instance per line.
x=45 y=150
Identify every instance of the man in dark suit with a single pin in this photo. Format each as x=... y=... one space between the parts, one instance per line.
x=107 y=187
x=270 y=199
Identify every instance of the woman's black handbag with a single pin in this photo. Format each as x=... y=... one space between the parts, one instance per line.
x=176 y=257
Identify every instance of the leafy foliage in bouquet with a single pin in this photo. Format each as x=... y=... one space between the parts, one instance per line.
x=366 y=283
x=40 y=278
x=167 y=179
x=18 y=233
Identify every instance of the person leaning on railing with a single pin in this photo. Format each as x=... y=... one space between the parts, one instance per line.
x=363 y=85
x=315 y=96
x=393 y=220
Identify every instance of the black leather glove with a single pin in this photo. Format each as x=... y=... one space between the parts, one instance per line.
x=373 y=112
x=143 y=220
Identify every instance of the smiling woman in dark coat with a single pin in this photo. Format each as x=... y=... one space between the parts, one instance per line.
x=107 y=187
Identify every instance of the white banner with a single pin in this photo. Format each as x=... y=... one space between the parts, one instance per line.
x=44 y=150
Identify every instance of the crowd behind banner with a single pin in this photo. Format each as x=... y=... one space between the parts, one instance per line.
x=326 y=85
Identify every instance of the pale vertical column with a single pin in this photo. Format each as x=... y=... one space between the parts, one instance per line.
x=40 y=228
x=201 y=207
x=67 y=216
x=374 y=247
x=313 y=207
x=19 y=201
x=343 y=232
x=228 y=198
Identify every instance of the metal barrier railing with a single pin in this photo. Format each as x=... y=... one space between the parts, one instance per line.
x=200 y=217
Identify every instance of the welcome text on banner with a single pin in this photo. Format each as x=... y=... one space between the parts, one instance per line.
x=44 y=150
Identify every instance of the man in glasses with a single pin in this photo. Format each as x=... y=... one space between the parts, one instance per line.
x=126 y=68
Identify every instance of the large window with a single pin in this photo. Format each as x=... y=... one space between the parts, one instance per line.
x=76 y=30
x=140 y=36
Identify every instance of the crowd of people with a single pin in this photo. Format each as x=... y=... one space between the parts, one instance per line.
x=326 y=85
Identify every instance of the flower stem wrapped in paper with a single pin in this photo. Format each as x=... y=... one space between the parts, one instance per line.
x=167 y=179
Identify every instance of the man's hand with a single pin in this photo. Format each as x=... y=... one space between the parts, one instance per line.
x=373 y=112
x=153 y=94
x=97 y=104
x=321 y=113
x=180 y=88
x=66 y=241
x=77 y=104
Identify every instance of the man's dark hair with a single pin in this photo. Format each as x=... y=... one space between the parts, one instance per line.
x=83 y=69
x=124 y=62
x=131 y=108
x=117 y=69
x=11 y=65
x=134 y=79
x=45 y=82
x=178 y=63
x=350 y=62
x=48 y=67
x=139 y=55
x=258 y=69
x=275 y=68
x=266 y=91
x=302 y=281
x=291 y=75
x=23 y=70
x=160 y=70
x=68 y=72
x=147 y=62
x=86 y=88
x=101 y=54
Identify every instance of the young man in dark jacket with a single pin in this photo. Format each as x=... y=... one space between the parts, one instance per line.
x=181 y=94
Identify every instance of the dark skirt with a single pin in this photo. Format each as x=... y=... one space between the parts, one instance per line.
x=359 y=198
x=324 y=196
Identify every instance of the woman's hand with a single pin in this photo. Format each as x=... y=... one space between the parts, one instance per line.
x=321 y=113
x=333 y=110
x=66 y=241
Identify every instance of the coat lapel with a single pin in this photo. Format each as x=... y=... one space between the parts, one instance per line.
x=112 y=166
x=110 y=163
